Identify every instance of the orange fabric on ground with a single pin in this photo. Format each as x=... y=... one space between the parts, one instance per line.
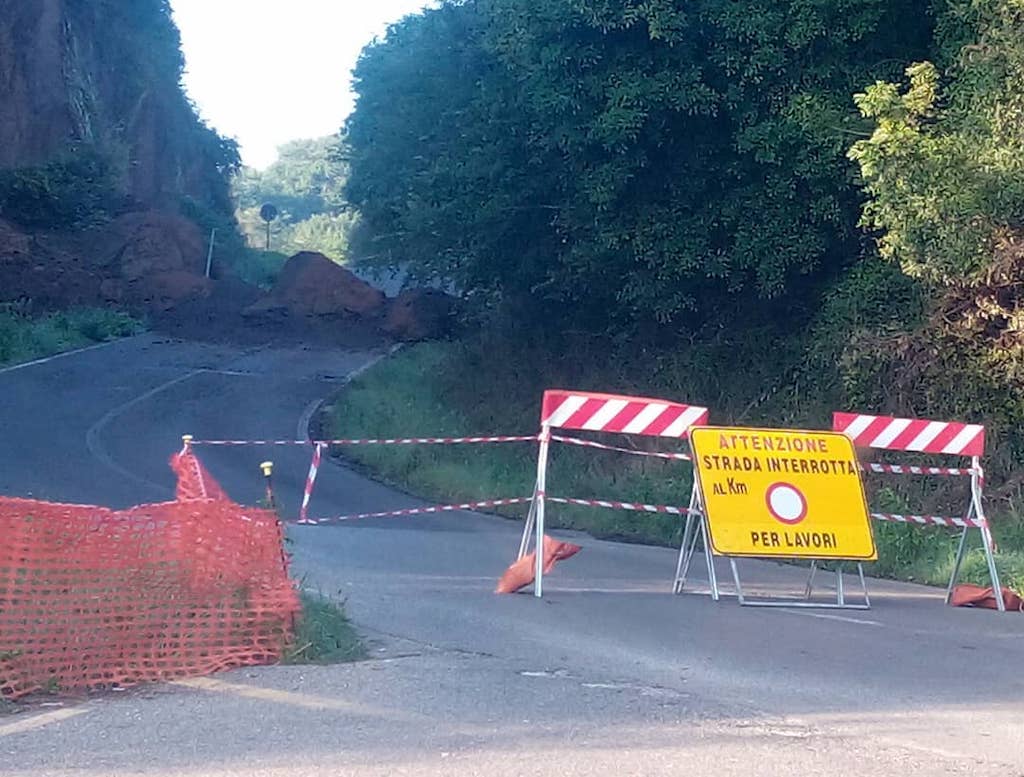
x=521 y=573
x=91 y=597
x=968 y=595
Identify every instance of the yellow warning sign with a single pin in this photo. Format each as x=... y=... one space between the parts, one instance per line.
x=793 y=494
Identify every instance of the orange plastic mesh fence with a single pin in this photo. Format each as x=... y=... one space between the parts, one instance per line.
x=91 y=597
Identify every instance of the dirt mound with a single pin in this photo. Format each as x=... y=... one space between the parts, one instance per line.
x=39 y=268
x=312 y=285
x=420 y=314
x=141 y=245
x=151 y=259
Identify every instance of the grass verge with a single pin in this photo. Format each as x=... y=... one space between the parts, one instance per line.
x=24 y=337
x=451 y=389
x=323 y=634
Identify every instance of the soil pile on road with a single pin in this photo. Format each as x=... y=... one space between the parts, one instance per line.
x=312 y=285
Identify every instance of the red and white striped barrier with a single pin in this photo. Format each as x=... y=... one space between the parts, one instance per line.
x=623 y=415
x=590 y=412
x=912 y=435
x=945 y=438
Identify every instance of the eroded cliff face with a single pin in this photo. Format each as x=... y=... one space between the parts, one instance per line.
x=105 y=73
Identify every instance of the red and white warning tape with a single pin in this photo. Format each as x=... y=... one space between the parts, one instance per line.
x=417 y=511
x=491 y=503
x=603 y=447
x=635 y=507
x=932 y=520
x=395 y=441
x=903 y=469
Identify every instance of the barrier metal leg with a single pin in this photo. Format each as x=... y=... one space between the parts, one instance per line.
x=542 y=475
x=986 y=538
x=531 y=517
x=840 y=593
x=960 y=551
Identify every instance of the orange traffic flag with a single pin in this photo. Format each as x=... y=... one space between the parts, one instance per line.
x=521 y=573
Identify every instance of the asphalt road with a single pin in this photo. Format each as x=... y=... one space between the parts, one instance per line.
x=610 y=674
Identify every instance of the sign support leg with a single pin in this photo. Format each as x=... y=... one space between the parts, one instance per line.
x=810 y=580
x=709 y=558
x=736 y=579
x=542 y=475
x=863 y=585
x=685 y=547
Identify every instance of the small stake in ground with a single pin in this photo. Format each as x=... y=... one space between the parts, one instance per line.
x=267 y=468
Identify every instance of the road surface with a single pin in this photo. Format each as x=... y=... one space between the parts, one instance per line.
x=610 y=674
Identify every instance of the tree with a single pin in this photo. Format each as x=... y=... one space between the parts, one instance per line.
x=306 y=185
x=944 y=167
x=627 y=160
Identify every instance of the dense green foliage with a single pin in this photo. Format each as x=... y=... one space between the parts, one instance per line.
x=306 y=185
x=944 y=169
x=734 y=203
x=636 y=160
x=74 y=191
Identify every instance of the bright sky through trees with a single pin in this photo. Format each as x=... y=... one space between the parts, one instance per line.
x=268 y=72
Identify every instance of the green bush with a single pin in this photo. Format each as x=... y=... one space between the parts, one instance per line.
x=323 y=634
x=23 y=337
x=73 y=191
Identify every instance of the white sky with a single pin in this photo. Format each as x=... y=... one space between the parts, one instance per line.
x=265 y=72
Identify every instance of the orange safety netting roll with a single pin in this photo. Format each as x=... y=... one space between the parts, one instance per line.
x=92 y=598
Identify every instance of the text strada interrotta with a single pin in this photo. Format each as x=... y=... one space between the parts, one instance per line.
x=794 y=494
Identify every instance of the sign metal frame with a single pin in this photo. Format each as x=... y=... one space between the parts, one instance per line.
x=697 y=530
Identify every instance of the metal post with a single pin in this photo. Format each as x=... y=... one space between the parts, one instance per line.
x=863 y=585
x=531 y=516
x=683 y=565
x=267 y=468
x=209 y=255
x=840 y=593
x=810 y=580
x=709 y=557
x=736 y=579
x=959 y=560
x=542 y=479
x=977 y=484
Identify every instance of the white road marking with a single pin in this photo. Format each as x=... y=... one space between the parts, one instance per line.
x=39 y=721
x=840 y=618
x=303 y=432
x=92 y=437
x=62 y=355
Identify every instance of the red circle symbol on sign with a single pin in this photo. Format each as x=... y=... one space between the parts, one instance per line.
x=786 y=503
